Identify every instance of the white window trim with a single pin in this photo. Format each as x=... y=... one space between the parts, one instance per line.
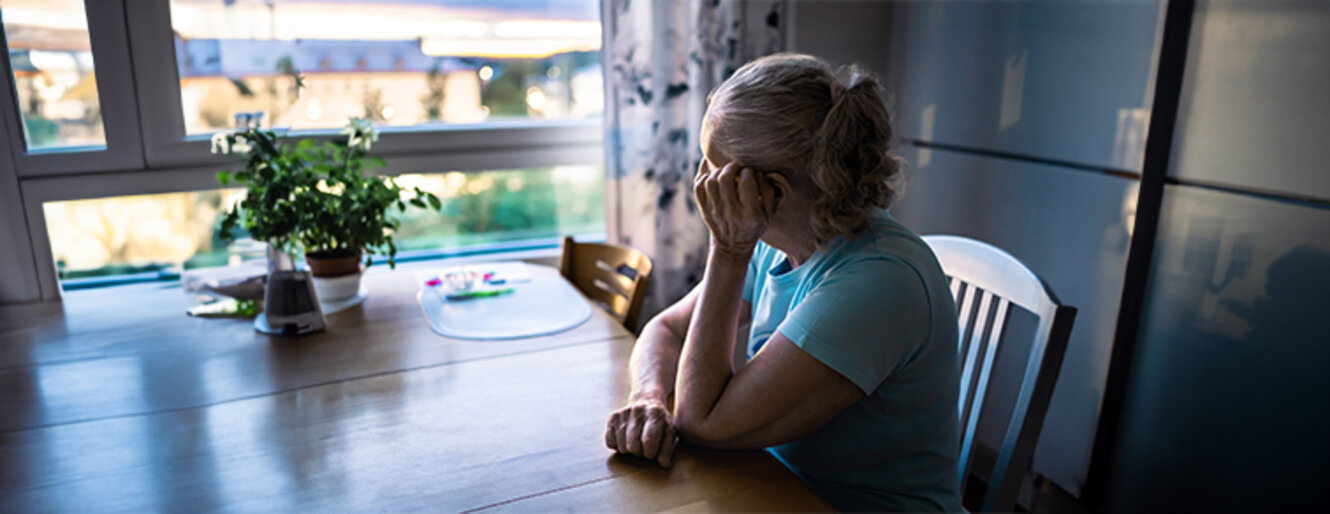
x=18 y=269
x=120 y=117
x=138 y=83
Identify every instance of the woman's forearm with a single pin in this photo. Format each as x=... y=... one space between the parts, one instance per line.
x=708 y=349
x=655 y=361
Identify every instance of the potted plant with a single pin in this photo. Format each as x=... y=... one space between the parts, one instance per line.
x=318 y=199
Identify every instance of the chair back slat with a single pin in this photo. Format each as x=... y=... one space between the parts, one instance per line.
x=970 y=420
x=614 y=281
x=1001 y=281
x=614 y=276
x=972 y=353
x=604 y=294
x=963 y=315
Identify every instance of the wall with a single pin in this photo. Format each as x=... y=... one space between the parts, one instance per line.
x=842 y=31
x=1034 y=116
x=1226 y=407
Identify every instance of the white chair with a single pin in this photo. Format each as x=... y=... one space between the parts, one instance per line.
x=984 y=279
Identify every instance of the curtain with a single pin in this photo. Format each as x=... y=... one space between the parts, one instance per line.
x=662 y=58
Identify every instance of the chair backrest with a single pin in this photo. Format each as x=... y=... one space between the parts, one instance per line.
x=987 y=281
x=614 y=276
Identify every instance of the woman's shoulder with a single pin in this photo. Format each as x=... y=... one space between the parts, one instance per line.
x=885 y=239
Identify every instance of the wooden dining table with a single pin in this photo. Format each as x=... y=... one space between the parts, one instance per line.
x=115 y=400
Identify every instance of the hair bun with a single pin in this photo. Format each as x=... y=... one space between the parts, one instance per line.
x=851 y=162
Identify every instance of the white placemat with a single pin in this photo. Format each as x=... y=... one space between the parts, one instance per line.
x=546 y=304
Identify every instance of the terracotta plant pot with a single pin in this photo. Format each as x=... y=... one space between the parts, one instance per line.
x=335 y=263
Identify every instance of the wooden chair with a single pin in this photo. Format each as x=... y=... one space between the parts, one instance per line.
x=614 y=276
x=979 y=271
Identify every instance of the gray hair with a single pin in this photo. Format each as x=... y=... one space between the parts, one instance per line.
x=791 y=114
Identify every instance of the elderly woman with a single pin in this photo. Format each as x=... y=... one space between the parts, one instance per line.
x=823 y=330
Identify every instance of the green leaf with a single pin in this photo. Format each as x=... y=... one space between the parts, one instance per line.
x=224 y=177
x=378 y=162
x=228 y=225
x=434 y=201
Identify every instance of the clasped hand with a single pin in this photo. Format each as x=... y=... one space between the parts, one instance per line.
x=643 y=428
x=737 y=205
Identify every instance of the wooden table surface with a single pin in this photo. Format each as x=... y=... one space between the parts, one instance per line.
x=114 y=400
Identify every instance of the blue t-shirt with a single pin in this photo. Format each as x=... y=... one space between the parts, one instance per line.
x=877 y=310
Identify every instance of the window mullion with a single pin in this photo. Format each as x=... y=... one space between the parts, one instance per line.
x=18 y=271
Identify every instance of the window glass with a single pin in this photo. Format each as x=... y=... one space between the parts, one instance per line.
x=51 y=58
x=311 y=64
x=159 y=235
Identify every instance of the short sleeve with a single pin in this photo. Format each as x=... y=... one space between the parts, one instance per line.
x=750 y=279
x=863 y=320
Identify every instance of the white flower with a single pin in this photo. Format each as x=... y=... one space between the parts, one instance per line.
x=335 y=190
x=361 y=134
x=220 y=143
x=241 y=145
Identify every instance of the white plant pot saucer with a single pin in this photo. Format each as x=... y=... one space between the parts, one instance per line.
x=335 y=306
x=340 y=289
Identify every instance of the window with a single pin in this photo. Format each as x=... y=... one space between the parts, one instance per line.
x=139 y=234
x=504 y=206
x=157 y=236
x=307 y=65
x=50 y=57
x=505 y=93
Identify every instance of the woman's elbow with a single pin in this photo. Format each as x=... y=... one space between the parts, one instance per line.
x=705 y=432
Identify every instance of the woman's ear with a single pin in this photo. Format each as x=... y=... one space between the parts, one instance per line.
x=779 y=185
x=782 y=184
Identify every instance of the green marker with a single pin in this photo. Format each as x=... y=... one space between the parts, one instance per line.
x=479 y=294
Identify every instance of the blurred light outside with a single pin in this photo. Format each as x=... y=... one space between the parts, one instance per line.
x=54 y=78
x=167 y=233
x=433 y=62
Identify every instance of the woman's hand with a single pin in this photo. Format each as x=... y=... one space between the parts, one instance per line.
x=736 y=205
x=643 y=428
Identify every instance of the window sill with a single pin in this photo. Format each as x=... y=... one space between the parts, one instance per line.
x=537 y=251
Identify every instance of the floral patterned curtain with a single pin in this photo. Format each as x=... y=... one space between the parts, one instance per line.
x=662 y=58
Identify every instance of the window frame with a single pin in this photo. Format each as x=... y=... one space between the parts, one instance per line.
x=116 y=99
x=19 y=270
x=151 y=153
